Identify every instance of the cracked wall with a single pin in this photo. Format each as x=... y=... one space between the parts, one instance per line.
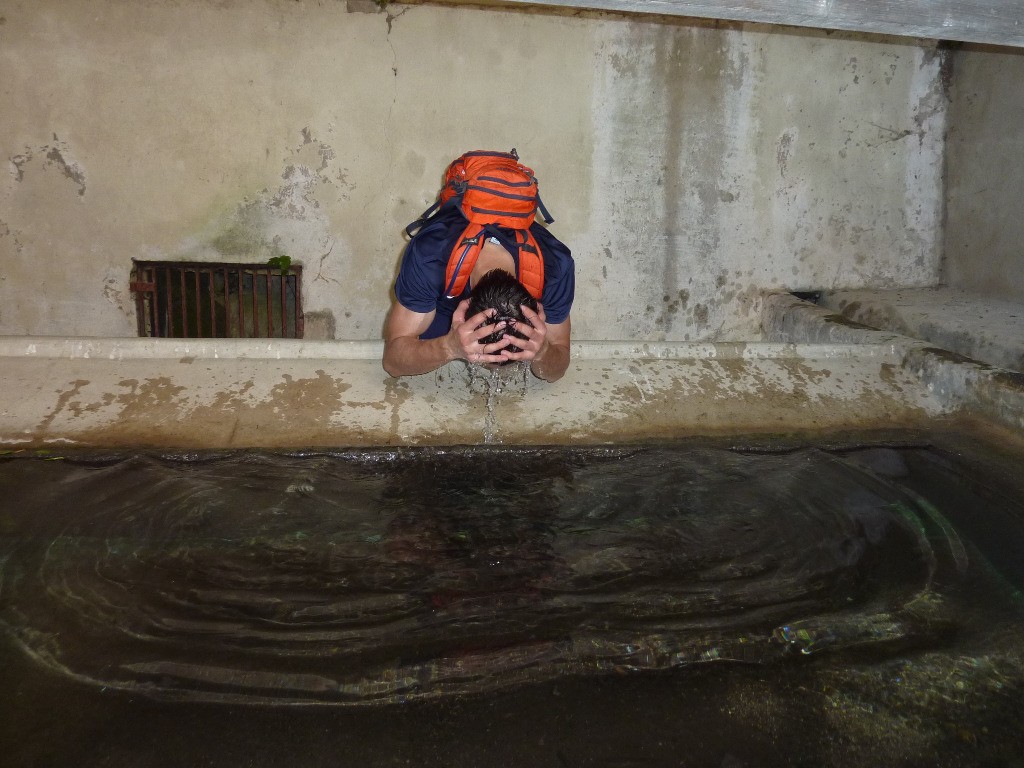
x=691 y=165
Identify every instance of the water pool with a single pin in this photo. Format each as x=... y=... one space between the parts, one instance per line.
x=702 y=603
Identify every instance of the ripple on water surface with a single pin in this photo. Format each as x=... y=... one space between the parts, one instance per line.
x=381 y=576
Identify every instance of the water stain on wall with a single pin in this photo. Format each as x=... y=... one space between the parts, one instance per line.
x=160 y=411
x=704 y=396
x=694 y=143
x=289 y=219
x=56 y=155
x=319 y=325
x=63 y=399
x=7 y=232
x=784 y=150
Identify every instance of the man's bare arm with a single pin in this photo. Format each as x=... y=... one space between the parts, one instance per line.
x=552 y=360
x=405 y=354
x=545 y=347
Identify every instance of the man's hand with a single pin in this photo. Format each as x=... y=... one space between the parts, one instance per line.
x=464 y=338
x=535 y=334
x=546 y=347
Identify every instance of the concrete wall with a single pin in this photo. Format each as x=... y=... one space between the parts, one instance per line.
x=690 y=166
x=985 y=207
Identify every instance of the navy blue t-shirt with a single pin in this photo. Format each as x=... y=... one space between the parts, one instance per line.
x=420 y=283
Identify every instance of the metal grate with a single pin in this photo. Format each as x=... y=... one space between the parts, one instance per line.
x=196 y=300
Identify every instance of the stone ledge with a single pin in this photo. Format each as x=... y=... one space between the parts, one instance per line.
x=110 y=393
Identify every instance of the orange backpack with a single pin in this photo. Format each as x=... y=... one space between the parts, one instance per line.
x=492 y=189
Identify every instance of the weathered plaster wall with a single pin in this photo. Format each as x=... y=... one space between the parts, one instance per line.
x=985 y=206
x=689 y=165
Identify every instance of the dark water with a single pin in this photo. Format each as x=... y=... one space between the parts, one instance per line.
x=692 y=604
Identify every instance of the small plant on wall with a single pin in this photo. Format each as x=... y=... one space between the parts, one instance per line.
x=282 y=262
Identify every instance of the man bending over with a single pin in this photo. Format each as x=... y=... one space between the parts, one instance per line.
x=427 y=328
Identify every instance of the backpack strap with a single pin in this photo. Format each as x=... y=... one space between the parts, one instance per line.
x=417 y=225
x=531 y=264
x=467 y=251
x=463 y=258
x=544 y=211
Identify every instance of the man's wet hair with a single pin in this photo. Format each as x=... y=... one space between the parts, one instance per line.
x=500 y=291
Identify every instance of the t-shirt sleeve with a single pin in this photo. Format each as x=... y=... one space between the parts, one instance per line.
x=559 y=276
x=419 y=282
